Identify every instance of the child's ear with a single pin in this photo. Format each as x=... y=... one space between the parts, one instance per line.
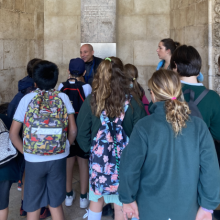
x=84 y=73
x=35 y=85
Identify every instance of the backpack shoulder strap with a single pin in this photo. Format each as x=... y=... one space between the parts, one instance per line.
x=201 y=96
x=192 y=94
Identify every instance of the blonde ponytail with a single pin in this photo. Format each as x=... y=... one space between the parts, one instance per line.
x=166 y=86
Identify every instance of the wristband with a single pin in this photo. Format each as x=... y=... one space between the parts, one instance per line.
x=210 y=211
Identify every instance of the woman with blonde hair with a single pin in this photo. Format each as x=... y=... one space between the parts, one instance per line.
x=104 y=124
x=169 y=170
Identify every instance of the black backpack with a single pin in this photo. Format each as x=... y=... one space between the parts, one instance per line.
x=193 y=103
x=75 y=93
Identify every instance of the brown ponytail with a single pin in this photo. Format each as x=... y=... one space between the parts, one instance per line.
x=166 y=86
x=132 y=72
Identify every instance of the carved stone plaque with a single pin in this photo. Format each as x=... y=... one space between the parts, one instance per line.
x=98 y=21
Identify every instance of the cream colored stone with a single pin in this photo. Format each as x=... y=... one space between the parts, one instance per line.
x=39 y=5
x=53 y=7
x=27 y=26
x=30 y=6
x=180 y=35
x=182 y=19
x=53 y=51
x=183 y=3
x=176 y=21
x=196 y=36
x=61 y=27
x=39 y=49
x=71 y=7
x=71 y=49
x=19 y=5
x=8 y=4
x=172 y=33
x=125 y=7
x=39 y=26
x=125 y=52
x=202 y=13
x=145 y=52
x=138 y=27
x=152 y=6
x=190 y=15
x=124 y=28
x=1 y=54
x=30 y=50
x=172 y=18
x=9 y=24
x=158 y=26
x=15 y=53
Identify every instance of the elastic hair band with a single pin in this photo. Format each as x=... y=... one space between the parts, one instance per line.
x=173 y=98
x=134 y=79
x=108 y=59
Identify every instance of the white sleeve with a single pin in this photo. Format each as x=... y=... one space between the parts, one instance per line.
x=60 y=86
x=87 y=89
x=22 y=107
x=68 y=104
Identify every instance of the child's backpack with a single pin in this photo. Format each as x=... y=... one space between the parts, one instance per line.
x=45 y=124
x=105 y=156
x=8 y=151
x=75 y=93
x=193 y=103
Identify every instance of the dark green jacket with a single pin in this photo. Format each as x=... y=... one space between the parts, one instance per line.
x=11 y=170
x=88 y=124
x=169 y=177
x=209 y=108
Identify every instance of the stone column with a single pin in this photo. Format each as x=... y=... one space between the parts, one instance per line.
x=98 y=26
x=216 y=44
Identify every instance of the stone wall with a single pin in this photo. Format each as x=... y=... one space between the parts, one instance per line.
x=189 y=25
x=62 y=33
x=216 y=43
x=141 y=24
x=21 y=39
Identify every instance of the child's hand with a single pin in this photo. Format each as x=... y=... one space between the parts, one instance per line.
x=203 y=215
x=130 y=210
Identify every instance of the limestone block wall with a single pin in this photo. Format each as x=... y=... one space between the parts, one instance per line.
x=62 y=33
x=21 y=39
x=189 y=25
x=141 y=24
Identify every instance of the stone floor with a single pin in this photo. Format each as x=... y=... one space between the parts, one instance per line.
x=71 y=213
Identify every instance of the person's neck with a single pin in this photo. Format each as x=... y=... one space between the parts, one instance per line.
x=167 y=60
x=191 y=79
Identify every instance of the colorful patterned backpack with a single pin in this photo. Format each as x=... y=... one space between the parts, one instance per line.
x=105 y=156
x=45 y=124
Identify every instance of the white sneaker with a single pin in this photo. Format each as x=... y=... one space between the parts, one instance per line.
x=69 y=199
x=84 y=202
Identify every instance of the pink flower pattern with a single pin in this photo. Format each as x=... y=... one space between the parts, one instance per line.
x=104 y=178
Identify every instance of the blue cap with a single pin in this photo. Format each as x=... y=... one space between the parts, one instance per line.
x=77 y=66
